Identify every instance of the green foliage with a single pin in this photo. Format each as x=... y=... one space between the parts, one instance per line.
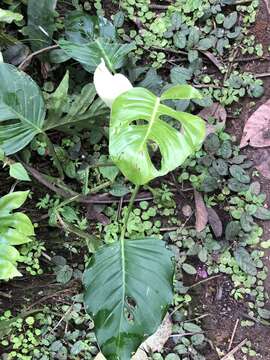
x=15 y=229
x=20 y=100
x=92 y=38
x=40 y=23
x=129 y=142
x=7 y=16
x=119 y=281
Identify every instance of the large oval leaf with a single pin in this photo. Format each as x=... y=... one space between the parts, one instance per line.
x=130 y=138
x=90 y=54
x=128 y=289
x=22 y=109
x=92 y=38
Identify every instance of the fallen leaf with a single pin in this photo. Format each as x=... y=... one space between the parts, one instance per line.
x=94 y=212
x=212 y=58
x=201 y=213
x=217 y=112
x=215 y=222
x=154 y=343
x=187 y=211
x=256 y=132
x=262 y=162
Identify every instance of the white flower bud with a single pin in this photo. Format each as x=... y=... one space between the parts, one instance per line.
x=109 y=86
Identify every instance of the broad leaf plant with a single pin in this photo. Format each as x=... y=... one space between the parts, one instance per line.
x=128 y=284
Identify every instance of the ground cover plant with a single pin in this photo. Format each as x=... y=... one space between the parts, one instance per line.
x=142 y=229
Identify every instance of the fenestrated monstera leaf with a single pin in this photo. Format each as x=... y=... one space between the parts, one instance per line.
x=138 y=119
x=91 y=38
x=15 y=229
x=128 y=290
x=22 y=109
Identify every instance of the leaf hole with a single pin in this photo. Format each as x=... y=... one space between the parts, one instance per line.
x=155 y=154
x=130 y=306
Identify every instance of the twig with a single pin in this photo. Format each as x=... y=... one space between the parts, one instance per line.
x=158 y=7
x=29 y=58
x=8 y=296
x=234 y=350
x=186 y=334
x=205 y=280
x=233 y=334
x=262 y=75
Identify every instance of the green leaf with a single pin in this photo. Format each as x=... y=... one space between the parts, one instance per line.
x=17 y=171
x=230 y=20
x=7 y=16
x=239 y=174
x=245 y=261
x=264 y=313
x=206 y=43
x=212 y=143
x=109 y=172
x=41 y=24
x=179 y=40
x=129 y=139
x=89 y=55
x=80 y=113
x=15 y=229
x=262 y=214
x=128 y=290
x=221 y=167
x=189 y=269
x=232 y=230
x=237 y=186
x=22 y=109
x=209 y=184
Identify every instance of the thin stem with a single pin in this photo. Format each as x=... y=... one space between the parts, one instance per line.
x=130 y=205
x=54 y=155
x=26 y=62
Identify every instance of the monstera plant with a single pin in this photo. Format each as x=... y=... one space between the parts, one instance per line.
x=129 y=283
x=15 y=229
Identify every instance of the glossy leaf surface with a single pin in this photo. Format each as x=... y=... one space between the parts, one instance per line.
x=128 y=289
x=138 y=121
x=15 y=229
x=22 y=109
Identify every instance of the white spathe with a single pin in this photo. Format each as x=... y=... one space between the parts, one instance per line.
x=109 y=86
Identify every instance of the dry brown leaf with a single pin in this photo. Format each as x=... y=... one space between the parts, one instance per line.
x=201 y=212
x=262 y=162
x=256 y=132
x=217 y=112
x=215 y=222
x=154 y=343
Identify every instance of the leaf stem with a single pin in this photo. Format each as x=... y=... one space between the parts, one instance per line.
x=130 y=205
x=54 y=155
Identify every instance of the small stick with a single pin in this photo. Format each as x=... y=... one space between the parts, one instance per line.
x=233 y=334
x=29 y=58
x=234 y=350
x=257 y=76
x=205 y=280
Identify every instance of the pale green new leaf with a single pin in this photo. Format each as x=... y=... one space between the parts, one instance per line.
x=138 y=120
x=15 y=229
x=128 y=290
x=22 y=109
x=17 y=171
x=7 y=16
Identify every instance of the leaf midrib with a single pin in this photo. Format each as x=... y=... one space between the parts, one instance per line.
x=23 y=119
x=151 y=123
